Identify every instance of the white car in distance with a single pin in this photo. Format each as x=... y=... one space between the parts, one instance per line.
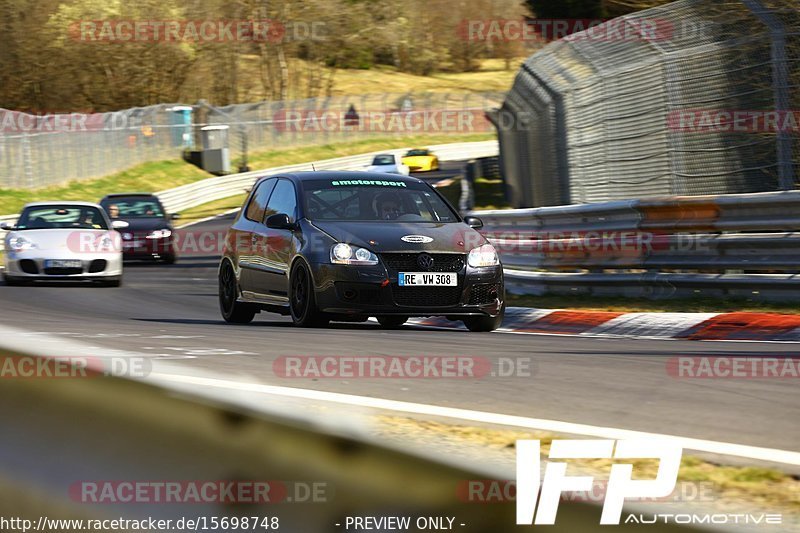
x=388 y=164
x=63 y=241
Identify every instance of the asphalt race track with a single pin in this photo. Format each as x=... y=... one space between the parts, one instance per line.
x=170 y=313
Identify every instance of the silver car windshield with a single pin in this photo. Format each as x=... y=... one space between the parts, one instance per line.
x=61 y=216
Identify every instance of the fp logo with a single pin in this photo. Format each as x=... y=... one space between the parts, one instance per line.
x=620 y=484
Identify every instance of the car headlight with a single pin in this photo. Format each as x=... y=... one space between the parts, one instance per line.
x=483 y=256
x=20 y=244
x=344 y=254
x=159 y=234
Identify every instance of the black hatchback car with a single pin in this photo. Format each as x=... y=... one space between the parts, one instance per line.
x=347 y=246
x=150 y=234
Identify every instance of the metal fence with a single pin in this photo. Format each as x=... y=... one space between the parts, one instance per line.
x=43 y=150
x=694 y=97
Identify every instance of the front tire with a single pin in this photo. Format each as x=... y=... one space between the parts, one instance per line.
x=302 y=300
x=233 y=311
x=485 y=323
x=391 y=322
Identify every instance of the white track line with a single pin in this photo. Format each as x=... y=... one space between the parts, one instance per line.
x=722 y=448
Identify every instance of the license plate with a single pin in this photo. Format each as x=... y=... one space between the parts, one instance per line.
x=427 y=279
x=131 y=244
x=63 y=263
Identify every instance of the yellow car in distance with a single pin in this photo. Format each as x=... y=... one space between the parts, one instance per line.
x=421 y=160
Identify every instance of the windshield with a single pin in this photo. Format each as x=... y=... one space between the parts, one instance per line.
x=383 y=160
x=61 y=216
x=413 y=153
x=374 y=200
x=142 y=207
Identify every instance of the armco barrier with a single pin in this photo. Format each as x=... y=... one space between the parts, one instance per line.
x=733 y=245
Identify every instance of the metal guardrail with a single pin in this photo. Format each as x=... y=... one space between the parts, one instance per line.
x=742 y=245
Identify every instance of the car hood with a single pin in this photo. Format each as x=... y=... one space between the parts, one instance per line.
x=417 y=159
x=57 y=239
x=140 y=225
x=387 y=236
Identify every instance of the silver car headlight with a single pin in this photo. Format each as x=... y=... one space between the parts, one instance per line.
x=344 y=254
x=159 y=234
x=20 y=244
x=483 y=256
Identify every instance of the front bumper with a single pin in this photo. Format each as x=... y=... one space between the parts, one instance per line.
x=359 y=290
x=31 y=266
x=141 y=247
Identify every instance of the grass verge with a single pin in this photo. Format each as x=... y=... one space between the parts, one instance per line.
x=490 y=194
x=211 y=209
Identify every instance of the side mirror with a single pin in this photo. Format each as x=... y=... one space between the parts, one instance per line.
x=175 y=216
x=473 y=222
x=119 y=224
x=5 y=226
x=280 y=221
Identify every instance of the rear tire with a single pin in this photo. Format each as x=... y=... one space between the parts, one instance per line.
x=391 y=322
x=233 y=311
x=485 y=323
x=302 y=299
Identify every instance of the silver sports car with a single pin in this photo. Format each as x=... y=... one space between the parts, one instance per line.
x=67 y=241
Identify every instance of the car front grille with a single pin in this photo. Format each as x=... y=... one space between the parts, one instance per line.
x=483 y=293
x=426 y=296
x=407 y=262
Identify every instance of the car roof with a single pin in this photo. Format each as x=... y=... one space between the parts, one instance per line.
x=66 y=204
x=342 y=175
x=128 y=195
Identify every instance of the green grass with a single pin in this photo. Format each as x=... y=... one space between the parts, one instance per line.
x=148 y=177
x=489 y=194
x=211 y=209
x=641 y=305
x=161 y=175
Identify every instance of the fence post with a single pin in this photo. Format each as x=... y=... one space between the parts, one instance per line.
x=27 y=161
x=780 y=88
